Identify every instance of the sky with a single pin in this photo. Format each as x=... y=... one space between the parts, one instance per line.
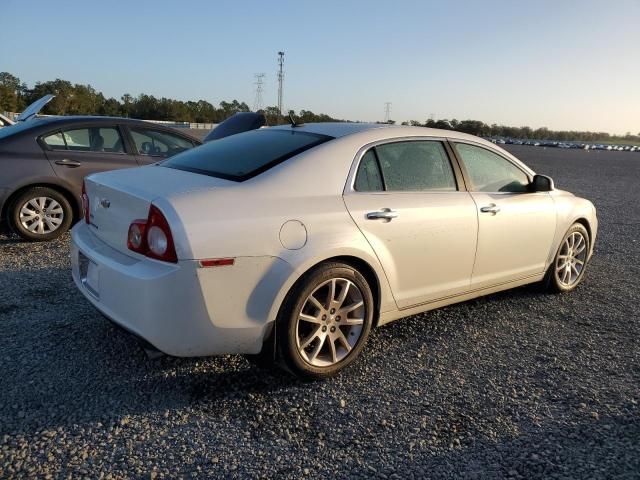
x=563 y=64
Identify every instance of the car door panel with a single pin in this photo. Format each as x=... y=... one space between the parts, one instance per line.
x=514 y=242
x=428 y=250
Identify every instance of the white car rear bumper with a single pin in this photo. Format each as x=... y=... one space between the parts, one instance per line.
x=181 y=309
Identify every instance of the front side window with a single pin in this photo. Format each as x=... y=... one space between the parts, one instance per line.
x=93 y=139
x=489 y=172
x=158 y=143
x=244 y=155
x=416 y=166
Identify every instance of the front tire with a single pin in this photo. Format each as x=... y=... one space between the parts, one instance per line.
x=570 y=263
x=325 y=321
x=40 y=214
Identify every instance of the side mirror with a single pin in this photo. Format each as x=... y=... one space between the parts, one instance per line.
x=541 y=183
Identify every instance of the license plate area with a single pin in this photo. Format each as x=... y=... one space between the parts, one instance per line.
x=89 y=274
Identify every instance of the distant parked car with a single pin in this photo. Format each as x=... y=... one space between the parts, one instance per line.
x=44 y=160
x=295 y=241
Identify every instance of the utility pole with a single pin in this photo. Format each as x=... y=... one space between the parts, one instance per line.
x=257 y=102
x=387 y=112
x=280 y=80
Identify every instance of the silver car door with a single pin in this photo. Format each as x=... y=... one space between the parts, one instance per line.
x=405 y=199
x=515 y=227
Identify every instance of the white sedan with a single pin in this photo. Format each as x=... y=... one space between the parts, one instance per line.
x=292 y=242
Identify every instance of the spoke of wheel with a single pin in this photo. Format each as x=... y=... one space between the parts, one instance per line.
x=581 y=262
x=40 y=227
x=304 y=344
x=27 y=211
x=27 y=218
x=315 y=302
x=343 y=294
x=55 y=220
x=343 y=340
x=332 y=348
x=332 y=293
x=561 y=267
x=344 y=311
x=580 y=250
x=34 y=204
x=50 y=224
x=42 y=202
x=567 y=273
x=317 y=348
x=33 y=227
x=56 y=210
x=310 y=318
x=573 y=267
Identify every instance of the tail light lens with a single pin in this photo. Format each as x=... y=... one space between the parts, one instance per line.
x=152 y=237
x=85 y=205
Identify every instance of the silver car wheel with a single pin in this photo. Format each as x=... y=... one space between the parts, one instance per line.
x=330 y=322
x=41 y=215
x=571 y=259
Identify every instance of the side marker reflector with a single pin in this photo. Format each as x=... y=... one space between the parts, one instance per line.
x=217 y=262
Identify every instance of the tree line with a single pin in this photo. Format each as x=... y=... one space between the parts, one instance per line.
x=476 y=127
x=78 y=99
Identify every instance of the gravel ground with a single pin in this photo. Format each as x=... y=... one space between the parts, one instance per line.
x=520 y=384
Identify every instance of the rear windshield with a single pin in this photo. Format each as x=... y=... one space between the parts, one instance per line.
x=17 y=128
x=245 y=155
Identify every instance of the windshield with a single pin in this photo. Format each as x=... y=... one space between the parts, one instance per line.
x=245 y=155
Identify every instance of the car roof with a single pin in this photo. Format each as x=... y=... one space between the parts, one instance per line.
x=52 y=120
x=342 y=129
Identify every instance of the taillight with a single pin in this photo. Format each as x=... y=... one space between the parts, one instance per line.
x=85 y=204
x=152 y=237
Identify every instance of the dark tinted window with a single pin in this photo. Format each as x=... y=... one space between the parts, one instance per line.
x=159 y=143
x=416 y=166
x=245 y=155
x=368 y=178
x=489 y=172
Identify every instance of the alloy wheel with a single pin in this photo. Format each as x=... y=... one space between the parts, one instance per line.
x=330 y=322
x=571 y=259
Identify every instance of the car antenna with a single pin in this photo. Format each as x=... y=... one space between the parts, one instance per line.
x=293 y=122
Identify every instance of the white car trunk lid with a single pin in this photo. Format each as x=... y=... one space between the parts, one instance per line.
x=118 y=197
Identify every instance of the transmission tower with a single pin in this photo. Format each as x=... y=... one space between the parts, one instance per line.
x=257 y=102
x=387 y=112
x=280 y=79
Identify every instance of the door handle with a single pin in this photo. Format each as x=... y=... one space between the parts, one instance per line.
x=65 y=162
x=491 y=208
x=385 y=213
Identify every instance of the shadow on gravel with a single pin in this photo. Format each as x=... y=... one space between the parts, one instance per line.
x=552 y=451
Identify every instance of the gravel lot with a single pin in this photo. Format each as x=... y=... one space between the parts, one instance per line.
x=520 y=384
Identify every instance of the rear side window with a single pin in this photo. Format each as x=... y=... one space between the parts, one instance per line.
x=417 y=166
x=368 y=178
x=93 y=139
x=245 y=155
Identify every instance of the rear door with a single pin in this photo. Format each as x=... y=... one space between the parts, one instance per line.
x=78 y=151
x=409 y=201
x=153 y=145
x=515 y=226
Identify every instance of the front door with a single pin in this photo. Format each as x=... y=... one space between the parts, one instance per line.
x=515 y=227
x=406 y=202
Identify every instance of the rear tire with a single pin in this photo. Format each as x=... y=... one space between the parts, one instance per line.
x=40 y=214
x=569 y=265
x=325 y=321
